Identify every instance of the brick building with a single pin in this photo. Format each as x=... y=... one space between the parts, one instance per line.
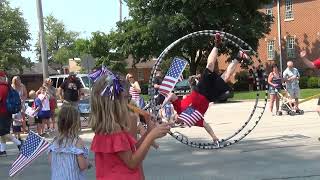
x=297 y=25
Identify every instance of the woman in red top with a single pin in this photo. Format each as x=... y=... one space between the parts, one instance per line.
x=118 y=156
x=210 y=87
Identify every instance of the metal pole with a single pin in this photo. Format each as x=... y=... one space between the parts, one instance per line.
x=279 y=35
x=120 y=10
x=44 y=56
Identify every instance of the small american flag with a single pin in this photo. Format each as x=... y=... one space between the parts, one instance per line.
x=30 y=150
x=190 y=116
x=172 y=76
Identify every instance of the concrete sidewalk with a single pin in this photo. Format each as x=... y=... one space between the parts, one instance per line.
x=281 y=147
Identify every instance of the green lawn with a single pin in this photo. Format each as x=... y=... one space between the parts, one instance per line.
x=252 y=94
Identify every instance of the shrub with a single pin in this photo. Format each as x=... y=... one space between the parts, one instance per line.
x=144 y=88
x=241 y=86
x=303 y=82
x=242 y=76
x=313 y=82
x=242 y=81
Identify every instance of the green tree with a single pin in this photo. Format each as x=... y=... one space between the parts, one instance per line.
x=59 y=41
x=155 y=24
x=14 y=38
x=100 y=47
x=81 y=47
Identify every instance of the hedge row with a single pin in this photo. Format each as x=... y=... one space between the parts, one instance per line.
x=242 y=83
x=305 y=83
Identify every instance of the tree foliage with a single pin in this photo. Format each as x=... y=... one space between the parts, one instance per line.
x=154 y=24
x=100 y=47
x=59 y=41
x=14 y=38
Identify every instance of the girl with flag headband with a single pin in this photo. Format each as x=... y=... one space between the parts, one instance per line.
x=118 y=155
x=211 y=87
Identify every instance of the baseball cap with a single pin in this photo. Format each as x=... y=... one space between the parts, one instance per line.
x=72 y=74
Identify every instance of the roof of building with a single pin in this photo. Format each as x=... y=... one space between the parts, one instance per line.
x=36 y=69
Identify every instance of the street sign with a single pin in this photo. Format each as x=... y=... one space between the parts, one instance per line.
x=87 y=62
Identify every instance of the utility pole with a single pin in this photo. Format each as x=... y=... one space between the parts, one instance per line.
x=120 y=10
x=279 y=35
x=43 y=46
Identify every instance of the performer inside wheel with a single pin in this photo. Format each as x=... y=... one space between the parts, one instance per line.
x=210 y=88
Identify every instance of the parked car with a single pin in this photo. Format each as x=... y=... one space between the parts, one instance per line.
x=84 y=79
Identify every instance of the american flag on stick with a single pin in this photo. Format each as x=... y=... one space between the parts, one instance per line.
x=32 y=148
x=190 y=116
x=172 y=76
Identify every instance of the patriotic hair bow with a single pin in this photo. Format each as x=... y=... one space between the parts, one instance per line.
x=113 y=84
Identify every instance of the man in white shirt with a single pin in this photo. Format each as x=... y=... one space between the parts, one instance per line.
x=291 y=77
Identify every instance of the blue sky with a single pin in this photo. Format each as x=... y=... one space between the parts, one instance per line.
x=83 y=16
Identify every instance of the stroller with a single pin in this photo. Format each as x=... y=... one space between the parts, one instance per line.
x=287 y=103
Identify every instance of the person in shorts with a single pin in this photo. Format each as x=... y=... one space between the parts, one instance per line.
x=275 y=84
x=5 y=117
x=159 y=98
x=17 y=125
x=291 y=78
x=42 y=110
x=210 y=87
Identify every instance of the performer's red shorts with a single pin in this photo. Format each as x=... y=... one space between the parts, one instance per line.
x=199 y=123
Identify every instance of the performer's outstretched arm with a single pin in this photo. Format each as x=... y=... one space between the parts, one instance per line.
x=306 y=61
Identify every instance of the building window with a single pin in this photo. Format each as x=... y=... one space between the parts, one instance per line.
x=270 y=50
x=291 y=47
x=288 y=10
x=269 y=10
x=140 y=75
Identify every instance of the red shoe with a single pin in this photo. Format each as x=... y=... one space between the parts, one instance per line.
x=244 y=58
x=217 y=40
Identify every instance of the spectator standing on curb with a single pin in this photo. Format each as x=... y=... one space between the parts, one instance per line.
x=251 y=79
x=51 y=91
x=134 y=89
x=157 y=82
x=261 y=78
x=291 y=77
x=5 y=116
x=70 y=90
x=275 y=83
x=21 y=89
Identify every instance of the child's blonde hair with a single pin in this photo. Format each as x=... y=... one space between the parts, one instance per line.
x=68 y=123
x=108 y=113
x=32 y=94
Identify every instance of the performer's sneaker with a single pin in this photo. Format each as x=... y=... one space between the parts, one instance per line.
x=216 y=143
x=244 y=58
